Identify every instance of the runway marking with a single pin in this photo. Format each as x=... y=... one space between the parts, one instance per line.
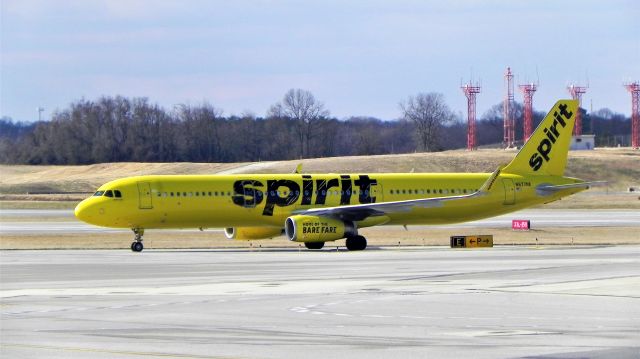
x=110 y=351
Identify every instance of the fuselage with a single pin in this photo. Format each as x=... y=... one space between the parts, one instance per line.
x=256 y=200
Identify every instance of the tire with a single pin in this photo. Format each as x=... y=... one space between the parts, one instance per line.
x=356 y=243
x=314 y=245
x=137 y=246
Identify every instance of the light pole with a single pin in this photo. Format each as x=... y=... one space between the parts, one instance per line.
x=39 y=109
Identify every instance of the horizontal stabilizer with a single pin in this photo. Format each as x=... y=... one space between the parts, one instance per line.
x=554 y=188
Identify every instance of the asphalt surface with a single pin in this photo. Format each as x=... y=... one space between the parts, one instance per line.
x=503 y=302
x=16 y=222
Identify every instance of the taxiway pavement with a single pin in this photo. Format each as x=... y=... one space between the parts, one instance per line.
x=504 y=302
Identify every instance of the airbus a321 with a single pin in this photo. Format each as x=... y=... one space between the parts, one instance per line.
x=319 y=208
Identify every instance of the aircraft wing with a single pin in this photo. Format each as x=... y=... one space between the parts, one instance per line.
x=360 y=212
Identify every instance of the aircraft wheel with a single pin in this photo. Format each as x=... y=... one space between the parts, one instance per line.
x=314 y=245
x=137 y=246
x=132 y=243
x=356 y=243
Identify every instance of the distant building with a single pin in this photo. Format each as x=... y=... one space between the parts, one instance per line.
x=583 y=142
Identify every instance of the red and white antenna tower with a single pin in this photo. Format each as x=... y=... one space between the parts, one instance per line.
x=470 y=91
x=634 y=88
x=576 y=93
x=507 y=107
x=527 y=91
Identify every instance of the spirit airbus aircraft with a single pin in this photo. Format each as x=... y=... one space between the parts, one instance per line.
x=317 y=208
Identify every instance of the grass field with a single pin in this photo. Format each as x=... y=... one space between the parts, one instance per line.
x=619 y=167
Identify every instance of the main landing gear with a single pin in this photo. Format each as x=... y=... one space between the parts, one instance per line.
x=314 y=245
x=356 y=243
x=137 y=246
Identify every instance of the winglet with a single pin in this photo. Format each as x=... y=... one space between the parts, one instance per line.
x=486 y=186
x=298 y=168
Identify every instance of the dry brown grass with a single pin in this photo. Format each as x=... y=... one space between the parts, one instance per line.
x=620 y=167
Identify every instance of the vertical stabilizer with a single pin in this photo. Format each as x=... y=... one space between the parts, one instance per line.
x=546 y=151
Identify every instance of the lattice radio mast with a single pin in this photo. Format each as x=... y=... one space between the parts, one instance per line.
x=634 y=89
x=576 y=93
x=527 y=91
x=470 y=91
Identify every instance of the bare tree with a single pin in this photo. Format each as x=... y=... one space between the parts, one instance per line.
x=307 y=113
x=429 y=113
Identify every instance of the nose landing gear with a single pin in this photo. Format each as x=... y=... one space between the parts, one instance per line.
x=137 y=246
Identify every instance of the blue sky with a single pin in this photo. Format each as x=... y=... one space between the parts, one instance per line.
x=358 y=57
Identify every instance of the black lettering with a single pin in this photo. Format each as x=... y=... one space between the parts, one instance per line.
x=544 y=148
x=345 y=198
x=554 y=128
x=364 y=183
x=559 y=119
x=549 y=135
x=535 y=162
x=273 y=196
x=307 y=189
x=565 y=113
x=247 y=196
x=323 y=186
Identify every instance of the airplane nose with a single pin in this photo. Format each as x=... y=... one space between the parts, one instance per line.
x=83 y=211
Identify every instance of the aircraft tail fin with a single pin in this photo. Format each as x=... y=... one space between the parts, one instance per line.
x=546 y=152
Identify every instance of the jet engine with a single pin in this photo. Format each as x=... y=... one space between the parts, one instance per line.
x=307 y=229
x=249 y=233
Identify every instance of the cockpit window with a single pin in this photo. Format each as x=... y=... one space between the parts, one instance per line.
x=117 y=193
x=108 y=193
x=98 y=193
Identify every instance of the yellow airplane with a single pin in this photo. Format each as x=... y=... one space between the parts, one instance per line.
x=317 y=208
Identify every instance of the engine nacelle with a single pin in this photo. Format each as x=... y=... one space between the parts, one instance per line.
x=317 y=229
x=249 y=233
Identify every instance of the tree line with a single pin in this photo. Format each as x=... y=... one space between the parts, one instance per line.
x=120 y=129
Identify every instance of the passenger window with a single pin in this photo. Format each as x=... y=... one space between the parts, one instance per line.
x=171 y=194
x=109 y=193
x=409 y=191
x=209 y=194
x=159 y=194
x=404 y=191
x=464 y=191
x=117 y=194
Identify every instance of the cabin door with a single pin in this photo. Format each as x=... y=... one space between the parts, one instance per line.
x=509 y=191
x=144 y=195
